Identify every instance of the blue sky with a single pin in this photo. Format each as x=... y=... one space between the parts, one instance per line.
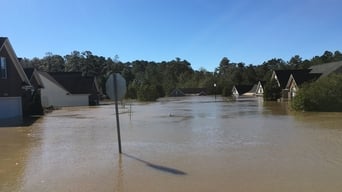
x=199 y=31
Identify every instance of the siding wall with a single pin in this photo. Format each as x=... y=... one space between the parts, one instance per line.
x=54 y=95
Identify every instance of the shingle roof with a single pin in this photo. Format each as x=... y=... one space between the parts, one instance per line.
x=74 y=82
x=284 y=75
x=50 y=78
x=243 y=88
x=327 y=68
x=301 y=78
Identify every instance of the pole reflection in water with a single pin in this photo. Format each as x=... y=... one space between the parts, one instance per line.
x=120 y=176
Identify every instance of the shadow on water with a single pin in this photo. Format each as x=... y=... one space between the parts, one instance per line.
x=157 y=167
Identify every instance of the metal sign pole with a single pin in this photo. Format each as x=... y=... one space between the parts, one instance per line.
x=117 y=113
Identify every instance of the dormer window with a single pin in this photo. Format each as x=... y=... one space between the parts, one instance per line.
x=3 y=68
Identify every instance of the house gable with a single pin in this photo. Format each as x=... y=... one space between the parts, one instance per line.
x=15 y=79
x=51 y=91
x=235 y=92
x=282 y=76
x=33 y=76
x=260 y=88
x=297 y=79
x=177 y=93
x=13 y=57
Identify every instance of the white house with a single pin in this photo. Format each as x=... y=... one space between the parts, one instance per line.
x=68 y=89
x=246 y=90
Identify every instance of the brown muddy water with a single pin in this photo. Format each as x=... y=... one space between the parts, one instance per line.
x=182 y=144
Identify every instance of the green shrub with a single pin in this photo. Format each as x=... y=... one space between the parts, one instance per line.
x=323 y=95
x=227 y=92
x=131 y=92
x=147 y=92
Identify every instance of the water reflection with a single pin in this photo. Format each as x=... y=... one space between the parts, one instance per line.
x=15 y=147
x=276 y=108
x=120 y=176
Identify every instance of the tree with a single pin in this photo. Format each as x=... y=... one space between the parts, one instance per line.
x=337 y=56
x=327 y=57
x=53 y=63
x=37 y=63
x=147 y=92
x=275 y=64
x=272 y=91
x=74 y=62
x=26 y=63
x=223 y=66
x=295 y=62
x=250 y=75
x=162 y=77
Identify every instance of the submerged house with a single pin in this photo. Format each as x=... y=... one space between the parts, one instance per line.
x=15 y=87
x=177 y=92
x=290 y=80
x=255 y=90
x=260 y=88
x=247 y=90
x=62 y=89
x=282 y=77
x=296 y=80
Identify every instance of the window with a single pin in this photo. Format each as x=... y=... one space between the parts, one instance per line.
x=3 y=67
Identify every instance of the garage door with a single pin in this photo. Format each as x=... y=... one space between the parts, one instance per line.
x=10 y=110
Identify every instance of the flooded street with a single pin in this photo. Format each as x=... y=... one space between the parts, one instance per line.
x=176 y=144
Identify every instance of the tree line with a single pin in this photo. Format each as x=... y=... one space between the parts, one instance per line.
x=149 y=80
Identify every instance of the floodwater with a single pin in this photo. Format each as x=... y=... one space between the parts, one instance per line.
x=176 y=144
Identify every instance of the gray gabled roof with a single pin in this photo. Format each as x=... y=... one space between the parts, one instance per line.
x=50 y=78
x=75 y=83
x=72 y=82
x=299 y=79
x=327 y=68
